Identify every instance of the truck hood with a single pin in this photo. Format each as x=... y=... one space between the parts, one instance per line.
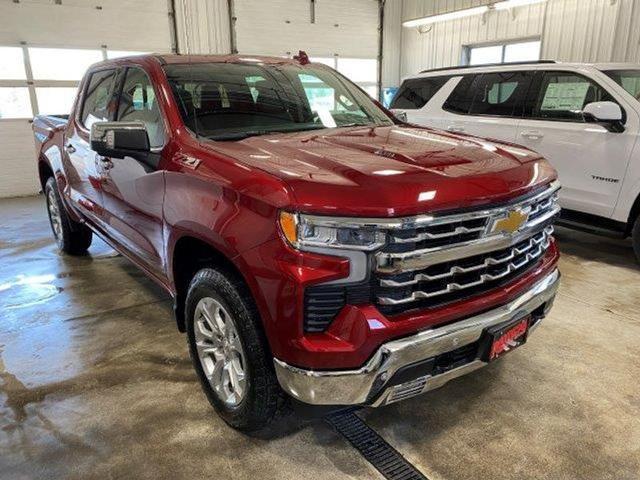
x=391 y=170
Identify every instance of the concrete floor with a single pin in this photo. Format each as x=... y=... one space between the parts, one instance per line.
x=95 y=382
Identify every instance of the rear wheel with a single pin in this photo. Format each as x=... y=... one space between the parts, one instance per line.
x=635 y=238
x=72 y=237
x=229 y=351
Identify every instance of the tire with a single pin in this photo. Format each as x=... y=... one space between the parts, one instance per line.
x=72 y=237
x=635 y=238
x=243 y=388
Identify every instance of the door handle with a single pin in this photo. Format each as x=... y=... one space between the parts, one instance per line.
x=532 y=134
x=70 y=148
x=455 y=128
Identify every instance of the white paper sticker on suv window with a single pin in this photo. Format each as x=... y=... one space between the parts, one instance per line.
x=565 y=96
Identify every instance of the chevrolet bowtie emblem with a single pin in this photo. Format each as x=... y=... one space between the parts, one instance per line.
x=511 y=223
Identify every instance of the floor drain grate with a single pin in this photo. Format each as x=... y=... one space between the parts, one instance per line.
x=373 y=447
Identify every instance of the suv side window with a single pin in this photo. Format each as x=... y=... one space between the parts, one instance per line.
x=563 y=95
x=462 y=96
x=414 y=93
x=500 y=94
x=138 y=103
x=97 y=97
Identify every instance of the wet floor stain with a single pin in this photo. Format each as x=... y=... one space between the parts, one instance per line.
x=26 y=291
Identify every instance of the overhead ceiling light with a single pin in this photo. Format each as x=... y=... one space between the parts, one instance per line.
x=443 y=17
x=468 y=12
x=514 y=3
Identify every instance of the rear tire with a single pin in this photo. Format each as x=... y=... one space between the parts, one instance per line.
x=72 y=237
x=635 y=238
x=230 y=353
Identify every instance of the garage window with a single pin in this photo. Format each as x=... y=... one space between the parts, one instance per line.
x=14 y=93
x=32 y=82
x=45 y=62
x=12 y=61
x=55 y=100
x=122 y=53
x=361 y=71
x=14 y=102
x=527 y=51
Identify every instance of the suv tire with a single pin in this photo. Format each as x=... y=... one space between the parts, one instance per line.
x=635 y=238
x=72 y=237
x=229 y=351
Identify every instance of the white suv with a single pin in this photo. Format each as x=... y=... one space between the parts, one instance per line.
x=584 y=118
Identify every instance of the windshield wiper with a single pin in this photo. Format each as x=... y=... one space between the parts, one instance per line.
x=357 y=124
x=240 y=135
x=255 y=133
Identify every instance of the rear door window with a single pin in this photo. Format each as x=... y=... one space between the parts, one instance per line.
x=500 y=94
x=563 y=95
x=97 y=97
x=461 y=98
x=414 y=93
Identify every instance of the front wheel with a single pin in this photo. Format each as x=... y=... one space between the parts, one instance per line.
x=635 y=238
x=229 y=351
x=72 y=237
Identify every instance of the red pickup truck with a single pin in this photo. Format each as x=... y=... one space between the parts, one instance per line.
x=316 y=247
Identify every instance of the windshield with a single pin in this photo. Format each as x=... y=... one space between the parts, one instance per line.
x=230 y=101
x=627 y=79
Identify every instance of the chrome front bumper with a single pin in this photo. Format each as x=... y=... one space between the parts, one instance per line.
x=369 y=385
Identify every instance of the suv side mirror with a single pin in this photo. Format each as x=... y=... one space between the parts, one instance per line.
x=607 y=114
x=120 y=139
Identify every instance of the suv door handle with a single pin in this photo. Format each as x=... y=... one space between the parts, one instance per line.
x=455 y=128
x=532 y=134
x=70 y=148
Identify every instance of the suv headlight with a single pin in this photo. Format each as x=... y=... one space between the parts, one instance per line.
x=303 y=231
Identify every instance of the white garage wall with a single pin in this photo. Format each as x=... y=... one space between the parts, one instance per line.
x=282 y=27
x=141 y=25
x=570 y=30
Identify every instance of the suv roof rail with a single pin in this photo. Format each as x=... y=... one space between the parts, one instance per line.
x=463 y=67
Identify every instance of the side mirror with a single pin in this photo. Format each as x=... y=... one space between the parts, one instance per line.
x=120 y=139
x=607 y=114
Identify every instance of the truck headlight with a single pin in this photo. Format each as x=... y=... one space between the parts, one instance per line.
x=303 y=231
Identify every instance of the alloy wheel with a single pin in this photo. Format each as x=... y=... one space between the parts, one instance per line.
x=54 y=216
x=220 y=351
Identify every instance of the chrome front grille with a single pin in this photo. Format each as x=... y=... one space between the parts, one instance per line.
x=451 y=257
x=450 y=277
x=430 y=260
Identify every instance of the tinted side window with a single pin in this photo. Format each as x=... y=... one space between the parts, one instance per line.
x=97 y=97
x=138 y=103
x=563 y=95
x=416 y=92
x=462 y=96
x=500 y=94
